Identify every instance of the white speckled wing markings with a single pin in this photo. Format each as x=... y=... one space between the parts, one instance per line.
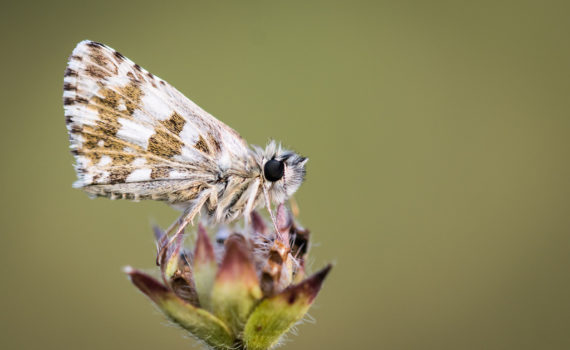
x=134 y=136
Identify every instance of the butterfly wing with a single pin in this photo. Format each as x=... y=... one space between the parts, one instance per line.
x=135 y=136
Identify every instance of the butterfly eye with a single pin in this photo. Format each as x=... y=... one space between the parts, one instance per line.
x=273 y=170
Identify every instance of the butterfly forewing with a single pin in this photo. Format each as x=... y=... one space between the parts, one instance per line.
x=135 y=136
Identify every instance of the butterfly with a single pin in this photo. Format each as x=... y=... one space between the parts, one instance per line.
x=136 y=137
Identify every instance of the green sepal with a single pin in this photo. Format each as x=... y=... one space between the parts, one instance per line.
x=205 y=268
x=275 y=315
x=199 y=322
x=236 y=289
x=172 y=257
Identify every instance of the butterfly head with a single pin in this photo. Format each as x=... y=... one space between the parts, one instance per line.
x=283 y=171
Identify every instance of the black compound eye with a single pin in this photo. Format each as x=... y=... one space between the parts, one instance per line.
x=273 y=170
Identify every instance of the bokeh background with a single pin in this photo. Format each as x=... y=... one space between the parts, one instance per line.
x=438 y=133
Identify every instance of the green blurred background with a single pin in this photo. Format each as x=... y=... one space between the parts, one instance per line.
x=438 y=134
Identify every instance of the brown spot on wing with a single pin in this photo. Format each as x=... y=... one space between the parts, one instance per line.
x=164 y=144
x=151 y=79
x=211 y=146
x=70 y=73
x=69 y=87
x=160 y=172
x=122 y=159
x=94 y=44
x=137 y=76
x=118 y=55
x=102 y=60
x=174 y=124
x=75 y=129
x=99 y=57
x=90 y=143
x=133 y=94
x=119 y=175
x=215 y=143
x=107 y=108
x=202 y=146
x=70 y=100
x=97 y=72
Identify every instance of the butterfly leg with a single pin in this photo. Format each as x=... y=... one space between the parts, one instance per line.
x=174 y=225
x=183 y=221
x=251 y=197
x=268 y=205
x=190 y=213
